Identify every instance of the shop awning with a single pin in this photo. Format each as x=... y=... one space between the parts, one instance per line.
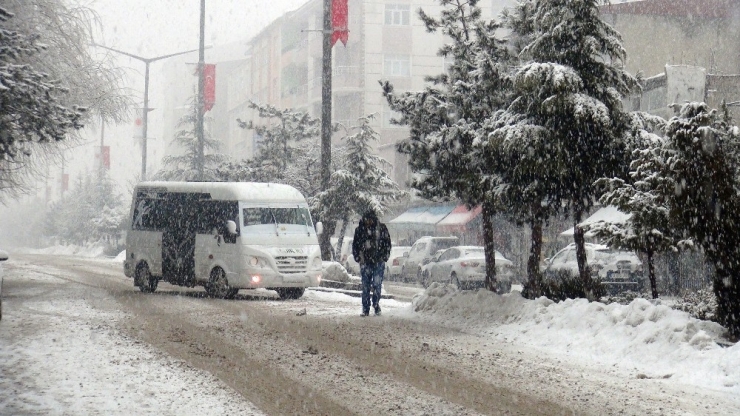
x=607 y=214
x=458 y=219
x=423 y=219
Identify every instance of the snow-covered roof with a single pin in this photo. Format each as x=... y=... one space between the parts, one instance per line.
x=421 y=218
x=607 y=214
x=460 y=216
x=232 y=191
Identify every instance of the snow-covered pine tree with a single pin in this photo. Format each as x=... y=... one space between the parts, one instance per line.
x=91 y=211
x=648 y=229
x=67 y=30
x=360 y=184
x=283 y=129
x=185 y=167
x=577 y=82
x=32 y=106
x=445 y=117
x=701 y=157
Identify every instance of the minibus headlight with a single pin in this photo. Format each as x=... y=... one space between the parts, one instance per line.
x=255 y=261
x=317 y=263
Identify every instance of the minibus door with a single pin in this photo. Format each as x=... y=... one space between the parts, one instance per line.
x=178 y=239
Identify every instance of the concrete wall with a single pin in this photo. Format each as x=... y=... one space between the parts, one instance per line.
x=654 y=41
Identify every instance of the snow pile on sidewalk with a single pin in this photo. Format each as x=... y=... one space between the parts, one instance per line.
x=120 y=257
x=649 y=338
x=331 y=270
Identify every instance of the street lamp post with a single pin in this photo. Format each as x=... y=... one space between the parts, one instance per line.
x=145 y=116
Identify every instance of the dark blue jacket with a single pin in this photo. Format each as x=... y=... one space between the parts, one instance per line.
x=372 y=244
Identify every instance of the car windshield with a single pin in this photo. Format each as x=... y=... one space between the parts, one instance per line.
x=609 y=255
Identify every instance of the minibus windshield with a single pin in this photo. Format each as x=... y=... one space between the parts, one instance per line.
x=274 y=219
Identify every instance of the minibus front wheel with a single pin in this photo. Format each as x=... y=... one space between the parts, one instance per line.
x=218 y=286
x=144 y=280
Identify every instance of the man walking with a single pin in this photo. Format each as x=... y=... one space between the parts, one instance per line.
x=371 y=248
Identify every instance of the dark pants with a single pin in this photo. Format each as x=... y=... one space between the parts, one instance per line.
x=372 y=280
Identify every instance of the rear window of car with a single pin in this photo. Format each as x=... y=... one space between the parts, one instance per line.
x=473 y=252
x=443 y=244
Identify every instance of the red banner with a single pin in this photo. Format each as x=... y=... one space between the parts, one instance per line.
x=209 y=86
x=339 y=13
x=103 y=156
x=106 y=157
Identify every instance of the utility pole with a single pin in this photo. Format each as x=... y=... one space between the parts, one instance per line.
x=326 y=99
x=201 y=100
x=326 y=96
x=101 y=168
x=145 y=115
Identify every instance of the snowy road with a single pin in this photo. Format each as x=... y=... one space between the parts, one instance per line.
x=78 y=338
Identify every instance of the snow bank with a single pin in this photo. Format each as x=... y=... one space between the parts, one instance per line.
x=120 y=257
x=332 y=270
x=648 y=337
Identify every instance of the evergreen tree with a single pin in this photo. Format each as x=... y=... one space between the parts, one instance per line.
x=445 y=118
x=701 y=156
x=568 y=112
x=51 y=86
x=649 y=229
x=91 y=211
x=186 y=167
x=67 y=31
x=360 y=184
x=31 y=104
x=282 y=131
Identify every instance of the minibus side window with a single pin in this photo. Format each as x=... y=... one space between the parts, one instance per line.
x=147 y=214
x=213 y=216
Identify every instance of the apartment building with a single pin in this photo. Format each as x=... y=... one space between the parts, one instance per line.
x=387 y=41
x=686 y=50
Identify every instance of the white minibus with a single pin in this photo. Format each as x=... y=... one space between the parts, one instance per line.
x=224 y=236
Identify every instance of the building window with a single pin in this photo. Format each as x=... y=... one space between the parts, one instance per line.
x=447 y=62
x=388 y=115
x=397 y=14
x=397 y=65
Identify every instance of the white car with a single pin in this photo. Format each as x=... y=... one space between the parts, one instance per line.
x=395 y=262
x=421 y=252
x=465 y=267
x=3 y=257
x=617 y=270
x=428 y=264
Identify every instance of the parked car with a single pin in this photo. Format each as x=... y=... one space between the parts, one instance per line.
x=3 y=257
x=421 y=252
x=428 y=264
x=617 y=270
x=465 y=267
x=395 y=262
x=345 y=256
